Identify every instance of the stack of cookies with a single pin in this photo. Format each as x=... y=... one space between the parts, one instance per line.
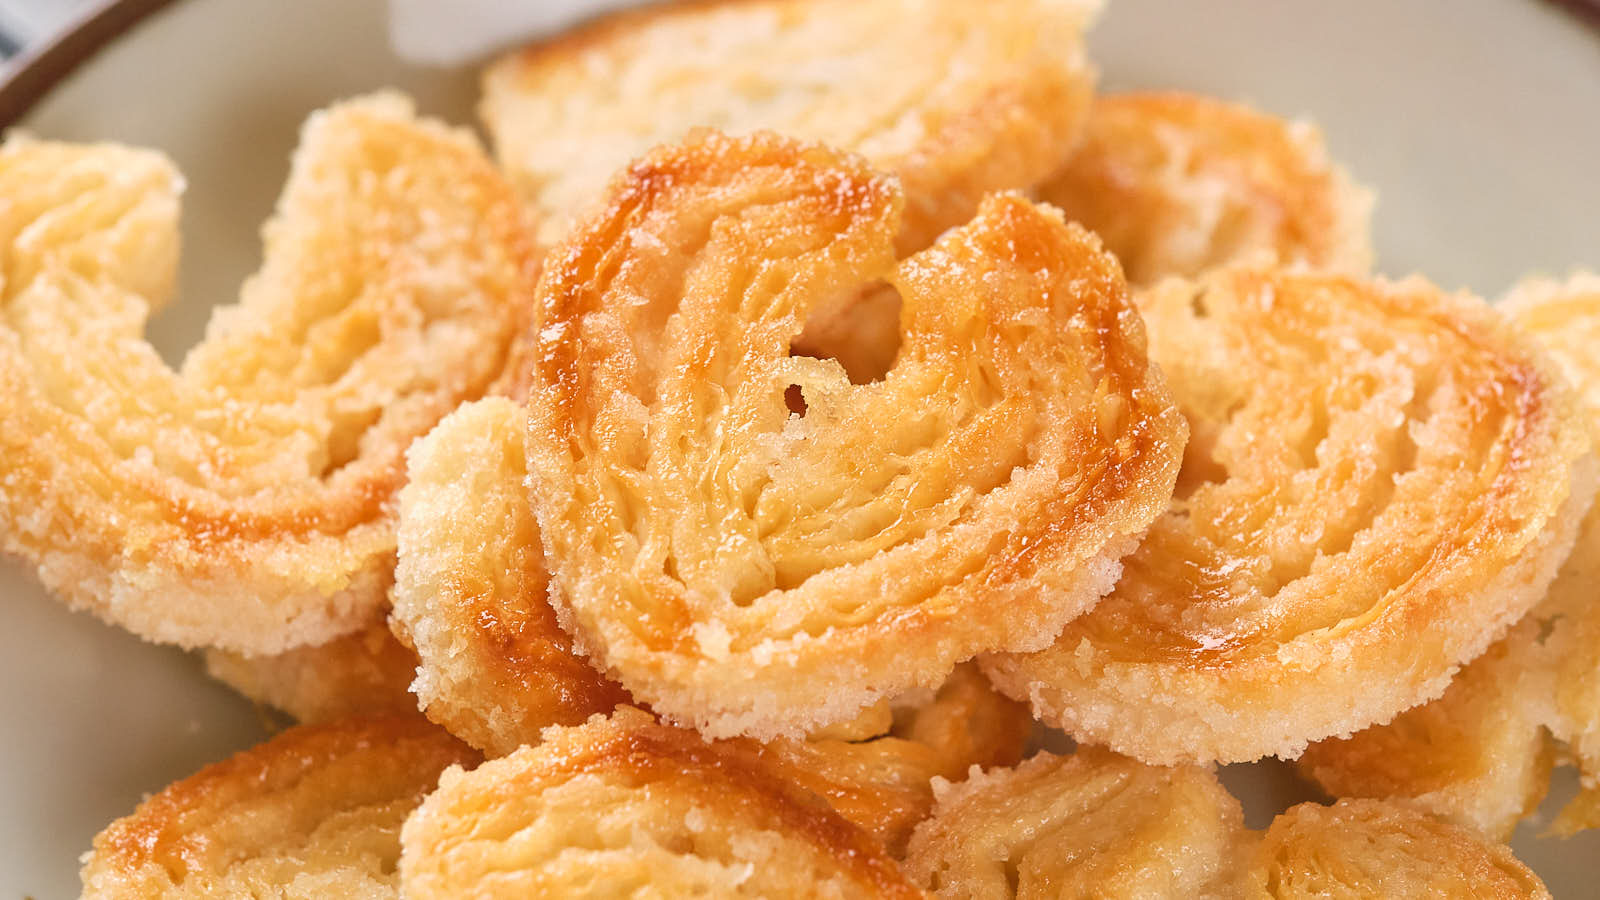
x=809 y=412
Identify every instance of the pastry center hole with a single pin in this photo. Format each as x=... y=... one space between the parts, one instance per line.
x=861 y=331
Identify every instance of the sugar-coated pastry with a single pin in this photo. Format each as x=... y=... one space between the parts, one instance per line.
x=1481 y=754
x=471 y=589
x=1177 y=183
x=959 y=99
x=1367 y=848
x=1381 y=479
x=1092 y=824
x=313 y=813
x=246 y=501
x=624 y=805
x=366 y=672
x=1095 y=824
x=752 y=570
x=1477 y=756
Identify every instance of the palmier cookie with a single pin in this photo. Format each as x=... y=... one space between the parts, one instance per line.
x=959 y=99
x=1177 y=184
x=1099 y=824
x=471 y=589
x=622 y=805
x=1482 y=754
x=247 y=501
x=314 y=812
x=366 y=672
x=1381 y=479
x=751 y=570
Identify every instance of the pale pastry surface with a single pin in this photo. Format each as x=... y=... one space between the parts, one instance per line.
x=958 y=99
x=1381 y=479
x=1177 y=183
x=1095 y=824
x=313 y=813
x=1482 y=753
x=624 y=807
x=1368 y=848
x=366 y=672
x=245 y=501
x=471 y=589
x=1088 y=824
x=750 y=570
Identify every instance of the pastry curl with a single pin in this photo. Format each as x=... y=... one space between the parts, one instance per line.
x=245 y=502
x=1089 y=824
x=1098 y=824
x=1381 y=479
x=315 y=812
x=1366 y=848
x=634 y=805
x=1177 y=184
x=363 y=673
x=1481 y=754
x=753 y=571
x=471 y=589
x=959 y=99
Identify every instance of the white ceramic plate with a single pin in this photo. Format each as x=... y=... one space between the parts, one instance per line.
x=1478 y=121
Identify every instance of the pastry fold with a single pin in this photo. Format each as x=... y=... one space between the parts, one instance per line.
x=752 y=570
x=245 y=501
x=956 y=98
x=313 y=813
x=1098 y=824
x=364 y=673
x=1482 y=753
x=625 y=805
x=1381 y=480
x=1177 y=184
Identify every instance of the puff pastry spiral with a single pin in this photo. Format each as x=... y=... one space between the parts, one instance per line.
x=1381 y=479
x=751 y=570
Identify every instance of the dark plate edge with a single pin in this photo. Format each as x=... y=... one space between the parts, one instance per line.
x=31 y=74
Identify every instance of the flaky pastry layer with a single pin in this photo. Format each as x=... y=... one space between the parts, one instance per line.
x=1177 y=184
x=1381 y=479
x=246 y=501
x=624 y=805
x=313 y=813
x=1482 y=753
x=752 y=570
x=1098 y=824
x=959 y=99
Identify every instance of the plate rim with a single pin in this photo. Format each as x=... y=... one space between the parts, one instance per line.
x=28 y=77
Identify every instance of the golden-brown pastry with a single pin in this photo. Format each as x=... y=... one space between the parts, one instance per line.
x=245 y=502
x=623 y=805
x=1176 y=184
x=1481 y=754
x=1381 y=479
x=1092 y=824
x=1101 y=825
x=1477 y=756
x=471 y=589
x=366 y=672
x=1366 y=848
x=313 y=813
x=751 y=570
x=959 y=99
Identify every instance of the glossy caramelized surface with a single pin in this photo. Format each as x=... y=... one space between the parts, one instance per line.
x=1380 y=480
x=752 y=570
x=957 y=99
x=245 y=501
x=1177 y=184
x=315 y=812
x=471 y=589
x=1482 y=753
x=624 y=804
